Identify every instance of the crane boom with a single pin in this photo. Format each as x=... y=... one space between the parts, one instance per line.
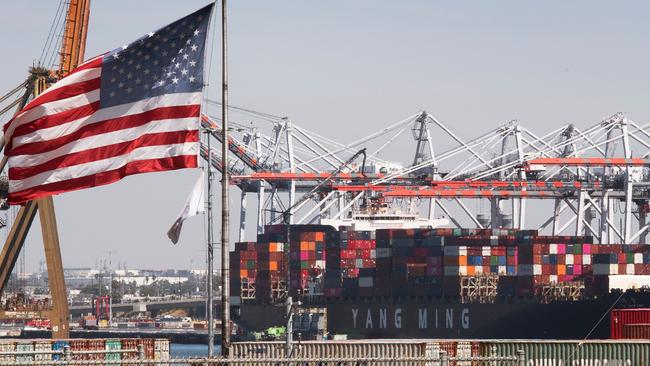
x=73 y=45
x=330 y=177
x=72 y=53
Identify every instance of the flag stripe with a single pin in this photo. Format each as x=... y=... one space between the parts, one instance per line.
x=49 y=128
x=91 y=71
x=55 y=107
x=109 y=126
x=105 y=152
x=32 y=129
x=95 y=167
x=70 y=91
x=120 y=136
x=107 y=177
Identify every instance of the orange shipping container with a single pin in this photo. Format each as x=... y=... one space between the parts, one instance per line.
x=273 y=266
x=462 y=260
x=320 y=236
x=243 y=273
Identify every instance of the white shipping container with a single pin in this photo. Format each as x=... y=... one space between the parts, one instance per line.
x=7 y=345
x=42 y=346
x=626 y=282
x=161 y=349
x=568 y=259
x=25 y=346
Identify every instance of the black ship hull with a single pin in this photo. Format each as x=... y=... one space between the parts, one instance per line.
x=372 y=318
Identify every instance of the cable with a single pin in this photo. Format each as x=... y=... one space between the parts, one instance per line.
x=57 y=44
x=268 y=116
x=50 y=35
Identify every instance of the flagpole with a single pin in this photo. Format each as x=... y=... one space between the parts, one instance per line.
x=225 y=186
x=210 y=257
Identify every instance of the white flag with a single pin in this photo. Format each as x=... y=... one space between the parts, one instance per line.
x=193 y=206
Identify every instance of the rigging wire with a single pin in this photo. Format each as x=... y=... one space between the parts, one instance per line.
x=57 y=38
x=263 y=115
x=52 y=31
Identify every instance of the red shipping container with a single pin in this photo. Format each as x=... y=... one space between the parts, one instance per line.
x=369 y=263
x=621 y=317
x=363 y=254
x=636 y=331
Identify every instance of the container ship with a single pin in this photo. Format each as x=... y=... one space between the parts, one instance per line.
x=380 y=275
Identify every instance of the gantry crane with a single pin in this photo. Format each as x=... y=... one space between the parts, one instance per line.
x=579 y=170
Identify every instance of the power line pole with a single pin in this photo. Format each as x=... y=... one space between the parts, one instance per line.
x=225 y=207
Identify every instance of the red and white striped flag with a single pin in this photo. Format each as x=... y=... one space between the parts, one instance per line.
x=132 y=110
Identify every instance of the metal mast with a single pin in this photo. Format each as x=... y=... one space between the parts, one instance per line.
x=210 y=257
x=225 y=186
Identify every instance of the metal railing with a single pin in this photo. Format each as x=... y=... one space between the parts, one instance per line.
x=442 y=359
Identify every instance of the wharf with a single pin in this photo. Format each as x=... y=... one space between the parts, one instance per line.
x=182 y=336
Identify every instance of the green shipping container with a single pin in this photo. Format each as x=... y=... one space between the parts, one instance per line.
x=113 y=344
x=573 y=353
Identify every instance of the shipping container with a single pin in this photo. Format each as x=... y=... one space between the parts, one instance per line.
x=161 y=349
x=323 y=349
x=25 y=346
x=113 y=344
x=42 y=346
x=386 y=349
x=620 y=317
x=130 y=345
x=7 y=345
x=581 y=353
x=60 y=346
x=636 y=331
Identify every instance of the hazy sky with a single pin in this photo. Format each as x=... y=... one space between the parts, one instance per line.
x=351 y=66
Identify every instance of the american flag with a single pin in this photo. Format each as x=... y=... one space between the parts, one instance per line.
x=133 y=110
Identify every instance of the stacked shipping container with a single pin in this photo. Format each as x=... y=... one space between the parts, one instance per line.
x=243 y=265
x=411 y=262
x=430 y=262
x=53 y=350
x=307 y=254
x=351 y=262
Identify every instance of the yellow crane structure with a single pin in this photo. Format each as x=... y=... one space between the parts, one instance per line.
x=73 y=46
